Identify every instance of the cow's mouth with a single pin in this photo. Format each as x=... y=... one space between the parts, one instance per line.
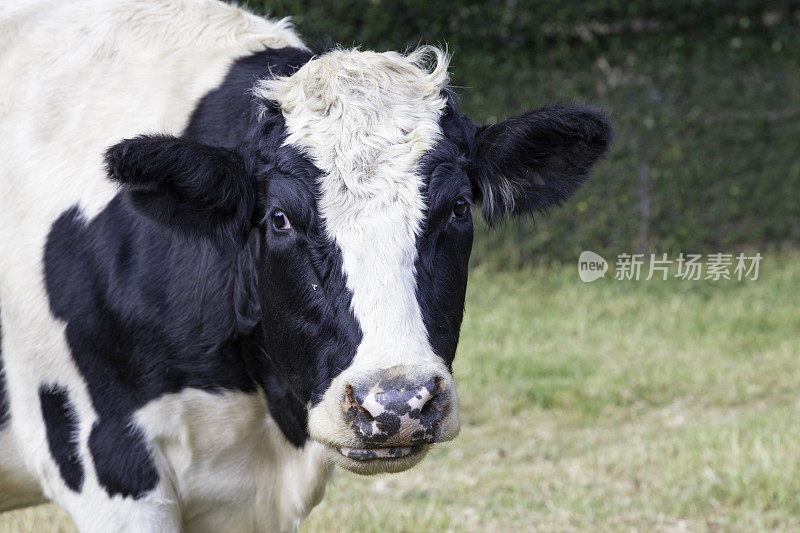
x=377 y=460
x=369 y=454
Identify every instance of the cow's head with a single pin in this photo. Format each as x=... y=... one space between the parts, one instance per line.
x=353 y=195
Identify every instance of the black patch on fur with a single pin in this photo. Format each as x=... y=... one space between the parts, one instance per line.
x=228 y=114
x=538 y=159
x=444 y=246
x=61 y=423
x=4 y=409
x=285 y=407
x=122 y=459
x=310 y=332
x=148 y=312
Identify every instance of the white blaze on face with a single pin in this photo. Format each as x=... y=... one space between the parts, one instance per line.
x=365 y=119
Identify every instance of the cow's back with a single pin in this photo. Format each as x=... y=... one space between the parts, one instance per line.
x=76 y=77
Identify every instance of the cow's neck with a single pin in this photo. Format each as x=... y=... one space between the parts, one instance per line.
x=226 y=115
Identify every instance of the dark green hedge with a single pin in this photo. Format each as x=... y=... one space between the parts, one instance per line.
x=705 y=96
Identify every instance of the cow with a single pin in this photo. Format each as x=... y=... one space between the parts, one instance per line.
x=229 y=263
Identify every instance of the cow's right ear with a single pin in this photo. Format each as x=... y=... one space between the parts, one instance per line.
x=191 y=188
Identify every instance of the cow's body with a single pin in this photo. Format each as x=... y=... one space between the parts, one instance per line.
x=228 y=466
x=278 y=285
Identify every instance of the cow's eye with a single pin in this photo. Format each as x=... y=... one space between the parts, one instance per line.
x=280 y=221
x=460 y=207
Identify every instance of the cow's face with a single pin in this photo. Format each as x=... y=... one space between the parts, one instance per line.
x=356 y=187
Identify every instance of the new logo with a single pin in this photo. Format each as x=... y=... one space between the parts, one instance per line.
x=591 y=266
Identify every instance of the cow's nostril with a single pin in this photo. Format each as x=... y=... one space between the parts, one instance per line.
x=429 y=405
x=352 y=404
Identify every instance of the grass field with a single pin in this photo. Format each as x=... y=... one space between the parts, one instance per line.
x=616 y=405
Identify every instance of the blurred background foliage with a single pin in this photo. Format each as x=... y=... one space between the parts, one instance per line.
x=705 y=96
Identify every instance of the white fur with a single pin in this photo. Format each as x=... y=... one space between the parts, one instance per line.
x=231 y=467
x=75 y=77
x=365 y=119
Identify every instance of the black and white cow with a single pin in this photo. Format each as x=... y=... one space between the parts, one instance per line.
x=228 y=263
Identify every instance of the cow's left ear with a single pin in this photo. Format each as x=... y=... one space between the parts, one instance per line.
x=538 y=159
x=191 y=188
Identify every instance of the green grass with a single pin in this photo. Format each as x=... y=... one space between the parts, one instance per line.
x=606 y=406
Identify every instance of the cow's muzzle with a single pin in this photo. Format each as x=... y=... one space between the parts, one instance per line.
x=395 y=411
x=390 y=417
